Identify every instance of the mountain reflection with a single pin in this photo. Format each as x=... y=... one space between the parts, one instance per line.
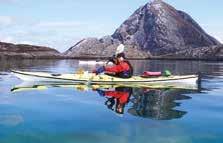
x=158 y=104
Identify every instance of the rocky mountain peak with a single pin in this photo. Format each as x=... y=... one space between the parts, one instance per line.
x=157 y=4
x=160 y=29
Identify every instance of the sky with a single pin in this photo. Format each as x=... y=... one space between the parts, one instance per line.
x=60 y=24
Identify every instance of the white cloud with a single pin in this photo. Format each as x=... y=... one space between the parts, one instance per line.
x=217 y=35
x=7 y=39
x=20 y=40
x=6 y=20
x=219 y=38
x=59 y=24
x=213 y=30
x=25 y=42
x=60 y=35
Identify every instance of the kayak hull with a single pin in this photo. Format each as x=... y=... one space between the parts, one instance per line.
x=105 y=79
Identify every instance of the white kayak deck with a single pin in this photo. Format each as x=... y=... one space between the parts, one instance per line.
x=91 y=77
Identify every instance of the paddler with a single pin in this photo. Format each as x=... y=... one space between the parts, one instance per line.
x=121 y=67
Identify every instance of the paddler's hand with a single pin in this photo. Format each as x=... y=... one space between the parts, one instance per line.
x=99 y=70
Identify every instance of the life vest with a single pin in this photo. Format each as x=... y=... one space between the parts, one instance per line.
x=127 y=73
x=123 y=69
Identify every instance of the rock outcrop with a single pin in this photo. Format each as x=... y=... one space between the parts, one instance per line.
x=154 y=30
x=22 y=51
x=201 y=53
x=101 y=48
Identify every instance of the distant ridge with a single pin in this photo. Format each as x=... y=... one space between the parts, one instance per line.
x=24 y=51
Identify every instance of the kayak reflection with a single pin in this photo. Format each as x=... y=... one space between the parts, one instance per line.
x=147 y=102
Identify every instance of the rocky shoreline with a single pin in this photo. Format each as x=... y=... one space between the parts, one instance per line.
x=23 y=51
x=37 y=52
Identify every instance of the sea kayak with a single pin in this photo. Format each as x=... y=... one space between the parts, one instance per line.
x=105 y=79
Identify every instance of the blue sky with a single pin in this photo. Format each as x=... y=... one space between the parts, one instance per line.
x=60 y=24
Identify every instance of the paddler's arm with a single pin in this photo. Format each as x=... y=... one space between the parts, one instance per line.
x=110 y=69
x=99 y=70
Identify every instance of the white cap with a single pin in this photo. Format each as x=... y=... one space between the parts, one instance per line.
x=120 y=49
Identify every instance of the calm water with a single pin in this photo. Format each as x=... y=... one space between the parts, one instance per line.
x=79 y=114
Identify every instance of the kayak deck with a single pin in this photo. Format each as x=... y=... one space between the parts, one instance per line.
x=103 y=79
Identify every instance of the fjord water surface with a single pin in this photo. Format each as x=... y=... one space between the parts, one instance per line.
x=80 y=114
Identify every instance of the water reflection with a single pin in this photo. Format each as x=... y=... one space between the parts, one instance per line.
x=40 y=65
x=116 y=98
x=11 y=120
x=159 y=104
x=151 y=103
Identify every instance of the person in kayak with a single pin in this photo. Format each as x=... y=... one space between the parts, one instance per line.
x=120 y=68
